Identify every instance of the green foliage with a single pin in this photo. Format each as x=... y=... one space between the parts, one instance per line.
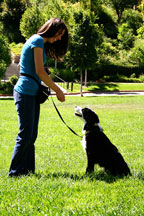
x=1 y=26
x=129 y=31
x=136 y=55
x=126 y=36
x=7 y=87
x=16 y=48
x=31 y=21
x=63 y=73
x=140 y=32
x=108 y=52
x=125 y=79
x=120 y=6
x=56 y=8
x=12 y=11
x=85 y=39
x=133 y=19
x=13 y=80
x=105 y=16
x=5 y=55
x=39 y=12
x=97 y=37
x=116 y=72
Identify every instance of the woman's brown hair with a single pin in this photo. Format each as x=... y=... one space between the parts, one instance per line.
x=59 y=48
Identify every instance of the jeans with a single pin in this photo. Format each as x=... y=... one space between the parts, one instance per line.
x=23 y=158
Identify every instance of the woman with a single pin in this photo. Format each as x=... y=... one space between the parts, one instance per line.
x=52 y=41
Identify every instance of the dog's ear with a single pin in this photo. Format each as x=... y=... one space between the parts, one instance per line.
x=90 y=116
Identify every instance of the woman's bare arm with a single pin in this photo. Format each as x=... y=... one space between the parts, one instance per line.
x=38 y=58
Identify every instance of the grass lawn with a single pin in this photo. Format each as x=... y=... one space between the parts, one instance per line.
x=111 y=86
x=117 y=87
x=60 y=187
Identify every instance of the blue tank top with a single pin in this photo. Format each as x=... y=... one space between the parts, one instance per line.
x=26 y=85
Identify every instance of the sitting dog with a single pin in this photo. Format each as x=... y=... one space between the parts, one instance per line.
x=98 y=147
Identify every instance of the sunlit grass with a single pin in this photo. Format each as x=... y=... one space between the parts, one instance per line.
x=93 y=87
x=110 y=86
x=60 y=186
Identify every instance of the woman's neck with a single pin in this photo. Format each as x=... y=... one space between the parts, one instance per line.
x=45 y=39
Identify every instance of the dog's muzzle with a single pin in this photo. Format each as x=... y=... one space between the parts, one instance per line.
x=78 y=111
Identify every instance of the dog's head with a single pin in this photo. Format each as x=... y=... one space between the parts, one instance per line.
x=89 y=117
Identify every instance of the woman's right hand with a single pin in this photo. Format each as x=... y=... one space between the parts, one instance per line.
x=60 y=95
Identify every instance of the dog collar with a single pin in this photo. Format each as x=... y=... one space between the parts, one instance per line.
x=96 y=124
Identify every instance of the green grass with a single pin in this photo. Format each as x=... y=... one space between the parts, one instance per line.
x=111 y=86
x=60 y=186
x=117 y=87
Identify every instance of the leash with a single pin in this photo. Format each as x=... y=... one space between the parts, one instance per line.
x=28 y=75
x=64 y=121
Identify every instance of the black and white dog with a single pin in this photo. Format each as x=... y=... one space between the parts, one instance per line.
x=98 y=147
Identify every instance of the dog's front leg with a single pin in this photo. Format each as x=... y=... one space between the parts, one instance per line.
x=90 y=164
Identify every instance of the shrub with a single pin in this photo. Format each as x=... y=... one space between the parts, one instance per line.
x=16 y=48
x=123 y=78
x=13 y=80
x=141 y=78
x=9 y=87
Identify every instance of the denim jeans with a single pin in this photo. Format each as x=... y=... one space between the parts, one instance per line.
x=23 y=158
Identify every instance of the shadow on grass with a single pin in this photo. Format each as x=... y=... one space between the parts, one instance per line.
x=139 y=175
x=100 y=176
x=103 y=87
x=6 y=98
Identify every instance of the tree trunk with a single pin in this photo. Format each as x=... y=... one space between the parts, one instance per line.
x=81 y=82
x=86 y=77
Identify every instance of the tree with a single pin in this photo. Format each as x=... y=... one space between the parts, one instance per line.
x=39 y=12
x=132 y=21
x=121 y=5
x=125 y=36
x=86 y=37
x=31 y=21
x=5 y=56
x=11 y=14
x=136 y=56
x=133 y=18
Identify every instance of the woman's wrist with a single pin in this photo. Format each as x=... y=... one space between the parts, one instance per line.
x=57 y=90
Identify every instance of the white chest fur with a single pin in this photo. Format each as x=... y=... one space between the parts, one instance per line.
x=84 y=137
x=84 y=143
